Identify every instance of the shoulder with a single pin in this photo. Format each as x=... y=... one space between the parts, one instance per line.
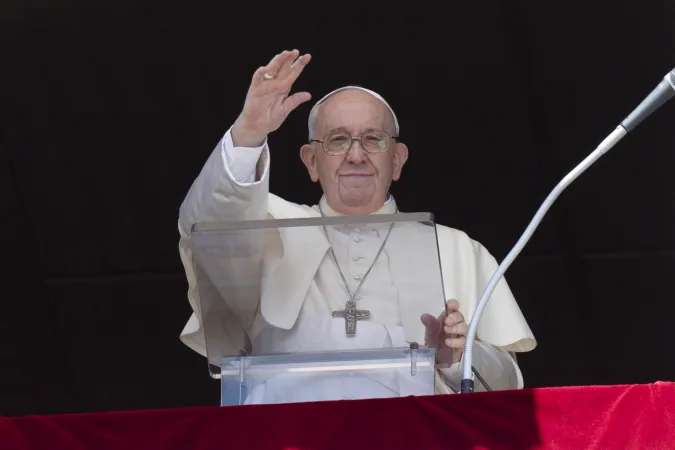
x=459 y=237
x=279 y=208
x=453 y=239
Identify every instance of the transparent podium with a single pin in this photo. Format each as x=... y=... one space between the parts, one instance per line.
x=320 y=308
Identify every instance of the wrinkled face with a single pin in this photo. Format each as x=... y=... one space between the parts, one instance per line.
x=358 y=181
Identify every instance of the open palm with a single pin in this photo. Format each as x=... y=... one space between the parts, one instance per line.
x=268 y=102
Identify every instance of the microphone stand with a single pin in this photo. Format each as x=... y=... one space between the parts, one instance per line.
x=660 y=95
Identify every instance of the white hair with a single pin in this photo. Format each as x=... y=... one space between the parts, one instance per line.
x=314 y=113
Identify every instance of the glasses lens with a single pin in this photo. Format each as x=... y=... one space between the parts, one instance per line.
x=375 y=141
x=337 y=143
x=372 y=142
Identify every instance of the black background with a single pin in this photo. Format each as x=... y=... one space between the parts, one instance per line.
x=108 y=112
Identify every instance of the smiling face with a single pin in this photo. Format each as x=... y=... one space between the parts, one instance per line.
x=358 y=181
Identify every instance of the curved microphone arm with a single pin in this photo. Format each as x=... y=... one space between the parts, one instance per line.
x=659 y=96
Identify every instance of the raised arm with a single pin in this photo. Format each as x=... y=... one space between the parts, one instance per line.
x=234 y=183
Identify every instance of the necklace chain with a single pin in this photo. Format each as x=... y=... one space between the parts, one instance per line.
x=363 y=279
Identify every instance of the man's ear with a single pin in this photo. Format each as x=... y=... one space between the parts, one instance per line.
x=400 y=157
x=308 y=158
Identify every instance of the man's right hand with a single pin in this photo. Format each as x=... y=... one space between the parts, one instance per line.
x=267 y=102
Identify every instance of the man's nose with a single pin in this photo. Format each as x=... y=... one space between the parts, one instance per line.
x=356 y=153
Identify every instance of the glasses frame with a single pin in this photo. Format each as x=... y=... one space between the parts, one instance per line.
x=351 y=142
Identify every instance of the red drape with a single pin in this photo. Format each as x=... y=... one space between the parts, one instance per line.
x=604 y=417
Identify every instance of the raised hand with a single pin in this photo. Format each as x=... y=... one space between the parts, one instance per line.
x=268 y=102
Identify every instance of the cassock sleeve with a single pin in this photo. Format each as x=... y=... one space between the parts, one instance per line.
x=233 y=185
x=502 y=323
x=227 y=188
x=497 y=367
x=241 y=163
x=502 y=330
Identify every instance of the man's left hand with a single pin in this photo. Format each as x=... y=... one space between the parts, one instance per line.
x=447 y=333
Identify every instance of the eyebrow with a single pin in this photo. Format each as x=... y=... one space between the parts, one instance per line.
x=344 y=130
x=335 y=130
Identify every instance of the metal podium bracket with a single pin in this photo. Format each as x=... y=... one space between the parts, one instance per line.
x=414 y=346
x=242 y=374
x=214 y=371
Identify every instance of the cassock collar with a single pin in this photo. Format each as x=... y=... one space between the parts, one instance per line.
x=380 y=229
x=389 y=207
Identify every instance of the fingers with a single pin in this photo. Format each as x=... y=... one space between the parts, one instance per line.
x=452 y=305
x=294 y=101
x=456 y=343
x=455 y=326
x=272 y=68
x=430 y=322
x=431 y=335
x=459 y=328
x=286 y=66
x=453 y=320
x=297 y=67
x=449 y=329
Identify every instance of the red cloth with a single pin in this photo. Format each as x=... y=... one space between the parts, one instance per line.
x=610 y=417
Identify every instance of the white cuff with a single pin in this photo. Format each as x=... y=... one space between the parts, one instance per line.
x=241 y=162
x=498 y=368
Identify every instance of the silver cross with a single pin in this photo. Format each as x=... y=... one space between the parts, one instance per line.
x=351 y=315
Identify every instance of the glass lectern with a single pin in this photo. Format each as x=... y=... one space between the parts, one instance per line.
x=318 y=308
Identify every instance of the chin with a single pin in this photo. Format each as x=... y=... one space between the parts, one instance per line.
x=356 y=199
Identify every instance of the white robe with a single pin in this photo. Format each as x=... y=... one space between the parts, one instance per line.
x=298 y=269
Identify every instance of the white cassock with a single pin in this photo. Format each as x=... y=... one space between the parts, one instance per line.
x=302 y=287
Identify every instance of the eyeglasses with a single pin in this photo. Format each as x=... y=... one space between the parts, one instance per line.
x=337 y=144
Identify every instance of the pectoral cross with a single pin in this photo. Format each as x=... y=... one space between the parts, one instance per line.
x=351 y=315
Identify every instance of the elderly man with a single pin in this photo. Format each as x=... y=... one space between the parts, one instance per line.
x=355 y=154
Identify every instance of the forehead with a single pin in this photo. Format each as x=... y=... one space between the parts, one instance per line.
x=353 y=110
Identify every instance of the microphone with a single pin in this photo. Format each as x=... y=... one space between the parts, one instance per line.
x=660 y=95
x=657 y=98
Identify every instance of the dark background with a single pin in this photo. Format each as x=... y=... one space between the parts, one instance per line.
x=108 y=112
